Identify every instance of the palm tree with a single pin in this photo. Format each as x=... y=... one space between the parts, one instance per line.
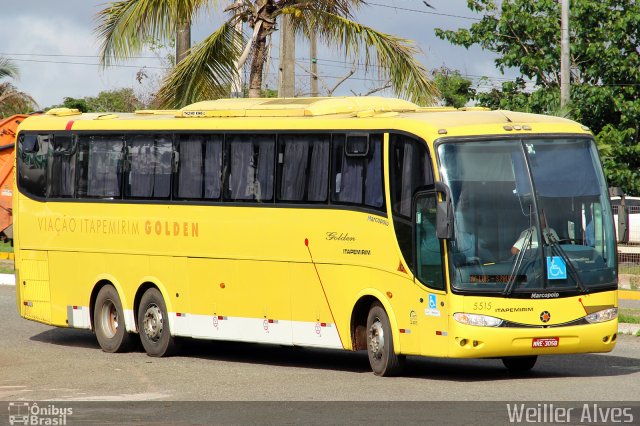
x=12 y=101
x=208 y=71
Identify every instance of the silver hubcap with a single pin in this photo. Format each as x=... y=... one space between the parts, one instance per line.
x=109 y=318
x=376 y=339
x=153 y=323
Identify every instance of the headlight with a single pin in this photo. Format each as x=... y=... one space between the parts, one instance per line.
x=477 y=320
x=602 y=316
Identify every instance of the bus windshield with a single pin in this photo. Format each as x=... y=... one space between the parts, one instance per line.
x=530 y=215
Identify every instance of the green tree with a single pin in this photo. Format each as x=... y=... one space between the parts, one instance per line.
x=455 y=90
x=12 y=100
x=123 y=100
x=120 y=100
x=74 y=103
x=605 y=68
x=208 y=71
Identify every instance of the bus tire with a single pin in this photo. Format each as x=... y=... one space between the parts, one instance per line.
x=519 y=364
x=382 y=358
x=153 y=325
x=108 y=318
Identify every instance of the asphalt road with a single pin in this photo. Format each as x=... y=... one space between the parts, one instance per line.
x=38 y=362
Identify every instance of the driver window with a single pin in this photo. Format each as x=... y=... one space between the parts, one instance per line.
x=428 y=246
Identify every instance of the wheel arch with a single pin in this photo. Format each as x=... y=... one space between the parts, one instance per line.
x=359 y=313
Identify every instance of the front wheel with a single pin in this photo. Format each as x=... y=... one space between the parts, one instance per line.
x=153 y=325
x=383 y=359
x=519 y=364
x=108 y=319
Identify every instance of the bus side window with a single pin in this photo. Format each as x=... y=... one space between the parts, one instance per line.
x=149 y=166
x=61 y=174
x=99 y=168
x=409 y=169
x=199 y=174
x=358 y=179
x=251 y=167
x=32 y=163
x=303 y=167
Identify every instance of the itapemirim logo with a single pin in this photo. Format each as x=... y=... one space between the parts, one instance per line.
x=26 y=413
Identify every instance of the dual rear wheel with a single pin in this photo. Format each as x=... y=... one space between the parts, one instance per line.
x=153 y=323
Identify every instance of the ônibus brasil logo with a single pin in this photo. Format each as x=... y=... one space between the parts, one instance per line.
x=25 y=413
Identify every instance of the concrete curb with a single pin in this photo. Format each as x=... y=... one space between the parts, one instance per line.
x=631 y=329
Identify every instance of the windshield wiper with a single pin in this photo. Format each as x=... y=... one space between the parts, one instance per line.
x=526 y=242
x=557 y=249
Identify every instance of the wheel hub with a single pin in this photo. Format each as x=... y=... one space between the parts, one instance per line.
x=153 y=323
x=376 y=340
x=109 y=318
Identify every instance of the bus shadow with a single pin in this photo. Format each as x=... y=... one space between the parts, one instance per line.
x=68 y=337
x=461 y=370
x=276 y=355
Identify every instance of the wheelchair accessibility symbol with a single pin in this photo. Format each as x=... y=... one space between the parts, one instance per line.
x=432 y=302
x=556 y=268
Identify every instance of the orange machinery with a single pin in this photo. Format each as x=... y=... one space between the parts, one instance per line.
x=8 y=128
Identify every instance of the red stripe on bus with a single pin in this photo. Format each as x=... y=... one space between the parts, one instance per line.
x=69 y=125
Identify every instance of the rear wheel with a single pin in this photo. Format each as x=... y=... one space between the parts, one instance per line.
x=108 y=318
x=383 y=359
x=153 y=325
x=519 y=363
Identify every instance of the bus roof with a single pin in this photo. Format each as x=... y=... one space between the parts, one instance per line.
x=390 y=113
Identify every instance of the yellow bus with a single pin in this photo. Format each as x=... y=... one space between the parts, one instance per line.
x=356 y=223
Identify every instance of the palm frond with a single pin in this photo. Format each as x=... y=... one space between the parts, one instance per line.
x=13 y=101
x=343 y=8
x=206 y=73
x=8 y=68
x=124 y=25
x=394 y=56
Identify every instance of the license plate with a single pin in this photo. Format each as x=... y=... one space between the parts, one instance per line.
x=545 y=342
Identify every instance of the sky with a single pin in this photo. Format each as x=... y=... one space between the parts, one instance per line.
x=55 y=47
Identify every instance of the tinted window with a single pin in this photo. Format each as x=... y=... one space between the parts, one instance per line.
x=199 y=167
x=410 y=168
x=303 y=162
x=62 y=166
x=358 y=179
x=251 y=167
x=32 y=163
x=100 y=160
x=149 y=162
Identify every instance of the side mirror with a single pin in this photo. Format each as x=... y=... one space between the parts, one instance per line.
x=444 y=212
x=623 y=224
x=623 y=214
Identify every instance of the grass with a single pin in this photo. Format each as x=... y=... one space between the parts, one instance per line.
x=629 y=316
x=6 y=247
x=631 y=269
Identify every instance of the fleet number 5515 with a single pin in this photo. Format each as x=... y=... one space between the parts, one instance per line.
x=482 y=306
